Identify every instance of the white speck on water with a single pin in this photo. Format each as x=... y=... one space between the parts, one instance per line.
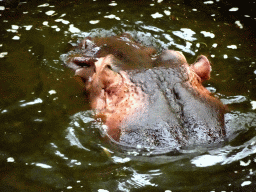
x=246 y=183
x=51 y=92
x=120 y=160
x=232 y=46
x=45 y=23
x=208 y=34
x=73 y=29
x=242 y=163
x=103 y=190
x=94 y=21
x=15 y=27
x=234 y=99
x=42 y=165
x=207 y=160
x=36 y=101
x=4 y=111
x=10 y=159
x=156 y=15
x=186 y=34
x=49 y=13
x=214 y=45
x=28 y=27
x=65 y=22
x=16 y=37
x=12 y=30
x=167 y=12
x=233 y=9
x=44 y=5
x=38 y=120
x=3 y=54
x=253 y=103
x=208 y=2
x=238 y=23
x=76 y=124
x=112 y=16
x=113 y=3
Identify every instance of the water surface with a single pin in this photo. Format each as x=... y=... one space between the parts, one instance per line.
x=49 y=140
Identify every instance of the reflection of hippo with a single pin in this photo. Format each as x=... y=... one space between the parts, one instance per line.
x=164 y=106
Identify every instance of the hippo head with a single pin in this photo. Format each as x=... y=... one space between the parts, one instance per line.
x=164 y=106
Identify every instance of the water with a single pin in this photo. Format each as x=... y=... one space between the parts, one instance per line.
x=49 y=140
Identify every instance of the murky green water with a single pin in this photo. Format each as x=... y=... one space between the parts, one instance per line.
x=49 y=141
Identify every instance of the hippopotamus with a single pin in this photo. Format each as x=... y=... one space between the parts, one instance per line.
x=161 y=104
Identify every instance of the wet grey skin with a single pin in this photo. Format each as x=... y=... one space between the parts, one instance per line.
x=175 y=114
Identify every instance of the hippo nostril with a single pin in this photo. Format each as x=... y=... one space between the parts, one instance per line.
x=84 y=61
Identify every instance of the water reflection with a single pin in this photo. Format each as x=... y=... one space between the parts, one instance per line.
x=186 y=34
x=226 y=155
x=137 y=180
x=36 y=101
x=42 y=165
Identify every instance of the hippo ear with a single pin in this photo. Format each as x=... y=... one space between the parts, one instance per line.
x=150 y=50
x=202 y=67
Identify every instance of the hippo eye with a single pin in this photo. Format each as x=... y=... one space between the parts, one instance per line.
x=113 y=68
x=109 y=67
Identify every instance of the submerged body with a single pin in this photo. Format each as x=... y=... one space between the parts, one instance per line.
x=161 y=106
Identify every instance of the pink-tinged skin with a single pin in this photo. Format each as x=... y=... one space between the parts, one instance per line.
x=112 y=95
x=115 y=98
x=202 y=68
x=199 y=72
